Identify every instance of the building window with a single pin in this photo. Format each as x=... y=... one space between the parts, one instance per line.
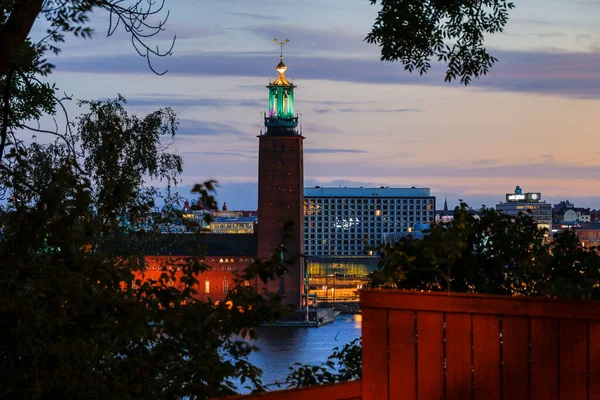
x=206 y=286
x=225 y=286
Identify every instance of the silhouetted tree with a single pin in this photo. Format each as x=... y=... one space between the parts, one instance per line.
x=491 y=253
x=419 y=32
x=77 y=320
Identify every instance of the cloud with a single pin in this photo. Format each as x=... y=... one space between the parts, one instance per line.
x=261 y=17
x=223 y=153
x=363 y=110
x=307 y=39
x=573 y=74
x=473 y=169
x=332 y=151
x=549 y=158
x=550 y=34
x=205 y=128
x=182 y=101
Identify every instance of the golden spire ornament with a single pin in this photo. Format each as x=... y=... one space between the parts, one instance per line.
x=281 y=67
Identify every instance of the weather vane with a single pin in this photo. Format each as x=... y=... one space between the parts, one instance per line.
x=281 y=44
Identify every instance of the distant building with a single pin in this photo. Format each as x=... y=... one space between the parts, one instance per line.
x=588 y=234
x=444 y=215
x=345 y=221
x=566 y=214
x=527 y=203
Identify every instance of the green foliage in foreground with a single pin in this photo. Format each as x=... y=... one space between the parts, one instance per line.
x=342 y=365
x=74 y=323
x=492 y=253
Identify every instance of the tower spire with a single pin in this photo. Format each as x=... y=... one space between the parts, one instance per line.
x=281 y=118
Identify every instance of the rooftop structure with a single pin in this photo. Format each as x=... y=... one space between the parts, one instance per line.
x=528 y=203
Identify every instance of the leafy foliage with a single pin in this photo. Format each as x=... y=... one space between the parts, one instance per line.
x=78 y=320
x=342 y=365
x=492 y=253
x=72 y=17
x=415 y=32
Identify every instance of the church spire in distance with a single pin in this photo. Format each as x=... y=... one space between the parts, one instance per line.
x=281 y=119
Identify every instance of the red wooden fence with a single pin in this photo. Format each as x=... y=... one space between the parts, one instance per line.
x=433 y=346
x=440 y=346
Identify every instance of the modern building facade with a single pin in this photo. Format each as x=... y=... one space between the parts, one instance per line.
x=347 y=221
x=528 y=203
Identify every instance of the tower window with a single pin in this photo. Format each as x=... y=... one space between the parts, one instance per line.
x=225 y=286
x=206 y=286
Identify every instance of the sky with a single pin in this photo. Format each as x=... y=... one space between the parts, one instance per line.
x=533 y=121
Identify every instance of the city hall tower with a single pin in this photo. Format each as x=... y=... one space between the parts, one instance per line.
x=281 y=185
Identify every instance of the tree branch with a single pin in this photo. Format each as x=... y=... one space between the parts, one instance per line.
x=5 y=111
x=14 y=32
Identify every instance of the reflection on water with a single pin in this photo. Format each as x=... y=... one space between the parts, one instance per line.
x=281 y=347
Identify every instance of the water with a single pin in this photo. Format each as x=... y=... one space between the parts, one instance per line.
x=281 y=347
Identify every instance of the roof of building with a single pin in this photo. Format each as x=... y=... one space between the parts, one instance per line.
x=366 y=192
x=189 y=244
x=589 y=225
x=235 y=219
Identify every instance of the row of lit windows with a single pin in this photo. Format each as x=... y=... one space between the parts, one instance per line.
x=229 y=260
x=368 y=201
x=362 y=220
x=375 y=212
x=360 y=213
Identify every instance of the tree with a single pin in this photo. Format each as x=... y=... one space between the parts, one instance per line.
x=18 y=16
x=491 y=253
x=415 y=32
x=78 y=321
x=24 y=96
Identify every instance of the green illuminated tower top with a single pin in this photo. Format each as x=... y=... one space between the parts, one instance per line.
x=280 y=119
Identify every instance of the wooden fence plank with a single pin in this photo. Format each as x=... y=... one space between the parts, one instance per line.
x=430 y=355
x=486 y=357
x=515 y=358
x=375 y=373
x=544 y=359
x=573 y=360
x=403 y=372
x=594 y=360
x=458 y=357
x=480 y=304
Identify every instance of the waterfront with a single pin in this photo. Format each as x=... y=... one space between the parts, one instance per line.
x=281 y=347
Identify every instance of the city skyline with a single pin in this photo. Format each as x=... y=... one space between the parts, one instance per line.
x=531 y=122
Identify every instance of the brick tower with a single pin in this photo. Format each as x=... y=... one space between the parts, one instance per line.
x=281 y=186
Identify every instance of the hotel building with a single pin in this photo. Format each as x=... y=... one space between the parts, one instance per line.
x=528 y=202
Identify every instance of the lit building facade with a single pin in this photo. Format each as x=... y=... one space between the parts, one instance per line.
x=588 y=234
x=346 y=221
x=528 y=202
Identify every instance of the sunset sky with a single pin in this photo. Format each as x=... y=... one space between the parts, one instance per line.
x=534 y=121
